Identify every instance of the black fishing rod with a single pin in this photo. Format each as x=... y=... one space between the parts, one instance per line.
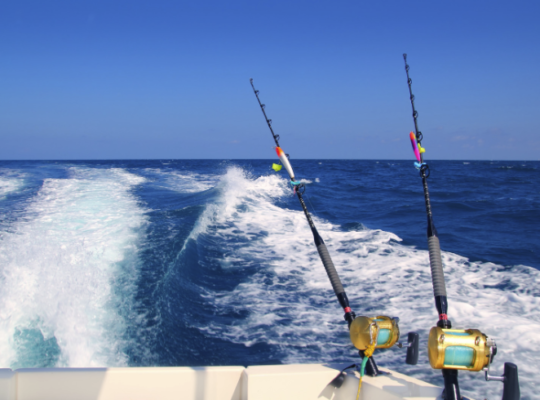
x=367 y=333
x=452 y=349
x=299 y=189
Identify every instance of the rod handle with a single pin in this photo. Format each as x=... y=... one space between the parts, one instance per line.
x=435 y=262
x=334 y=278
x=330 y=269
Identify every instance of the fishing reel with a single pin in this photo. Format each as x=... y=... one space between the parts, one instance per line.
x=464 y=349
x=470 y=350
x=381 y=332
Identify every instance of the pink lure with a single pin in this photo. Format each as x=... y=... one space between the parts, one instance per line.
x=415 y=147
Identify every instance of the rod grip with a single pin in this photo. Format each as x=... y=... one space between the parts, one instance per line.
x=330 y=269
x=435 y=262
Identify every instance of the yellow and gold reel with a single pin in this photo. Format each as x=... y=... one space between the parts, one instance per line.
x=458 y=349
x=365 y=331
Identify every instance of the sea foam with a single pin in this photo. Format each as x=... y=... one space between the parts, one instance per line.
x=68 y=271
x=10 y=182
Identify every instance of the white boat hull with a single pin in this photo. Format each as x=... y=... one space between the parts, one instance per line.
x=271 y=382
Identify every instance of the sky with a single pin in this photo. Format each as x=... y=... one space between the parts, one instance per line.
x=170 y=79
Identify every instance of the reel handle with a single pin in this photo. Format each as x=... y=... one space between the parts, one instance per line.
x=511 y=382
x=509 y=379
x=412 y=349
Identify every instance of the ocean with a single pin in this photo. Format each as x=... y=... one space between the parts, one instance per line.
x=211 y=262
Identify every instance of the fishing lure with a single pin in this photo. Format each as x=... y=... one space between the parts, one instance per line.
x=415 y=147
x=417 y=150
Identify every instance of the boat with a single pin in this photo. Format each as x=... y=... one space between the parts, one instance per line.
x=266 y=382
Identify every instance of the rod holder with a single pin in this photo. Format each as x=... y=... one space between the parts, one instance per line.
x=371 y=366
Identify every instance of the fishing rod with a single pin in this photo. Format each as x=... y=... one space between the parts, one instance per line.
x=366 y=333
x=299 y=189
x=450 y=349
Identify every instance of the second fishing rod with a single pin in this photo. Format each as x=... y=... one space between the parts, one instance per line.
x=452 y=350
x=367 y=333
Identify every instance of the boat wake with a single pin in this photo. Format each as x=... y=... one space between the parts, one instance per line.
x=69 y=267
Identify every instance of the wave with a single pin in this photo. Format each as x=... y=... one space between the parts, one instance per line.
x=181 y=181
x=519 y=167
x=10 y=182
x=68 y=272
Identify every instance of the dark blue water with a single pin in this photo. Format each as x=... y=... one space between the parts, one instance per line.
x=207 y=262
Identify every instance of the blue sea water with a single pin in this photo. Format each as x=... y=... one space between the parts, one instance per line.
x=210 y=262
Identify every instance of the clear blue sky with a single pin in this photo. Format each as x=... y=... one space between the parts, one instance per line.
x=170 y=79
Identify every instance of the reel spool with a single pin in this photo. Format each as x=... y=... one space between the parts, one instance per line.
x=467 y=349
x=382 y=330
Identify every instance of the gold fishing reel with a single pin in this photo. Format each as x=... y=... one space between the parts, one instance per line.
x=366 y=331
x=467 y=349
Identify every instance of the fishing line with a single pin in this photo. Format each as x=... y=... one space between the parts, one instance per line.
x=311 y=204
